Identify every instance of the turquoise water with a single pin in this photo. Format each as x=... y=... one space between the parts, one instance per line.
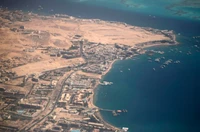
x=170 y=8
x=164 y=100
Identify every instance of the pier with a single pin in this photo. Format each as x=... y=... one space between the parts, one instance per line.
x=114 y=112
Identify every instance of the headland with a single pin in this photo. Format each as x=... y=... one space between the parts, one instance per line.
x=50 y=66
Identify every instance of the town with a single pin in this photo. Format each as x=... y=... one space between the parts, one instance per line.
x=57 y=95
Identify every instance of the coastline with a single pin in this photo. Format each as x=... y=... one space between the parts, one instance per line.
x=63 y=20
x=98 y=114
x=92 y=103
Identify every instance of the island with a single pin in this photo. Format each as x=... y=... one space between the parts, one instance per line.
x=51 y=65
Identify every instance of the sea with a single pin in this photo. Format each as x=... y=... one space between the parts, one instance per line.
x=157 y=98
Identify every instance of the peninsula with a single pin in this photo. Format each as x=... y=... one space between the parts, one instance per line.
x=50 y=66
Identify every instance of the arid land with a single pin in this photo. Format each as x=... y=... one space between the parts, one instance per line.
x=50 y=66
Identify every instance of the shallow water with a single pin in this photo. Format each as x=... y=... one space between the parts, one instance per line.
x=170 y=8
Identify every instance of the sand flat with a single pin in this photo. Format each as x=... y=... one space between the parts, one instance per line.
x=46 y=65
x=111 y=33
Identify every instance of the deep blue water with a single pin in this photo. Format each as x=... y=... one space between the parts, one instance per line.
x=164 y=100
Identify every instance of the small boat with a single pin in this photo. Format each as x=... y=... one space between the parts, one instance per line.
x=114 y=113
x=162 y=66
x=177 y=62
x=119 y=111
x=125 y=129
x=106 y=83
x=157 y=60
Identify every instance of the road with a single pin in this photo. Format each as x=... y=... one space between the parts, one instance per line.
x=53 y=98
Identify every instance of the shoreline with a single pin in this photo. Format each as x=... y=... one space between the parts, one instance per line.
x=92 y=103
x=98 y=114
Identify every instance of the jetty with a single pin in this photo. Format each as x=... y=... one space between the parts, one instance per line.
x=114 y=112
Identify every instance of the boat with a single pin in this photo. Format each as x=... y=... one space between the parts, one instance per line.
x=119 y=111
x=114 y=113
x=162 y=66
x=125 y=129
x=157 y=60
x=177 y=62
x=106 y=83
x=168 y=62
